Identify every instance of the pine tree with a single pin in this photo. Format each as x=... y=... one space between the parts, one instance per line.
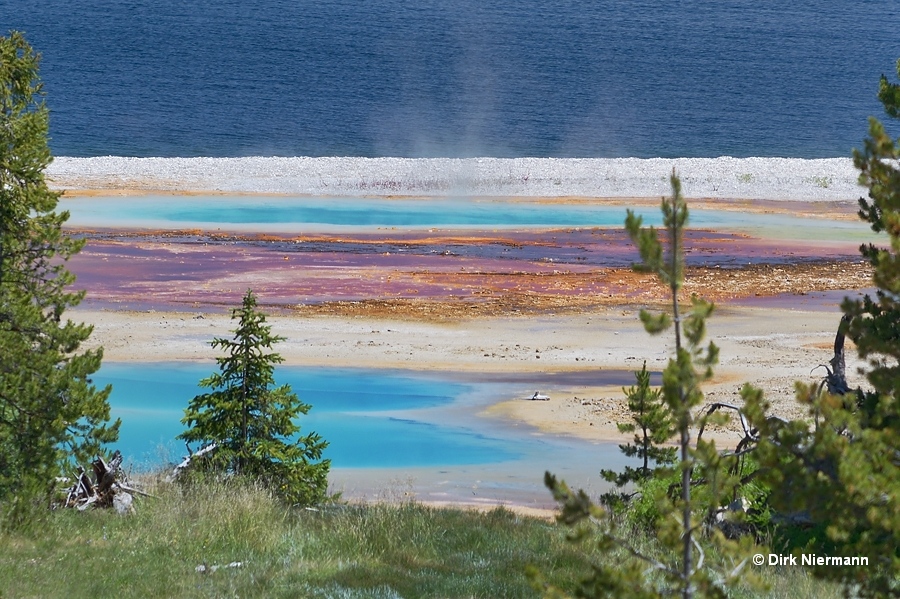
x=252 y=422
x=686 y=522
x=50 y=413
x=652 y=427
x=844 y=474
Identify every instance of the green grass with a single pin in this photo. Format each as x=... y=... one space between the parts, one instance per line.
x=376 y=551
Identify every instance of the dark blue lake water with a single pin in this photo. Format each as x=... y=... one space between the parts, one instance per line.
x=370 y=418
x=464 y=78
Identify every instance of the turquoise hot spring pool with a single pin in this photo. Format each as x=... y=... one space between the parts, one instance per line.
x=370 y=418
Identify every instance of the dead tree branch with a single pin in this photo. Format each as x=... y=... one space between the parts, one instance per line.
x=186 y=462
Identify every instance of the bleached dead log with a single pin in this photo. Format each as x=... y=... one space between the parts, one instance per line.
x=836 y=381
x=82 y=489
x=191 y=456
x=749 y=432
x=134 y=491
x=84 y=504
x=105 y=475
x=108 y=488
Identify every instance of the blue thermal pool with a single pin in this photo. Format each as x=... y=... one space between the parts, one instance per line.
x=370 y=418
x=296 y=214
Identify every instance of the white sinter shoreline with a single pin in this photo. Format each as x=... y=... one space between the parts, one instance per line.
x=828 y=179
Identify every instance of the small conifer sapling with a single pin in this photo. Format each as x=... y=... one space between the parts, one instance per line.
x=253 y=422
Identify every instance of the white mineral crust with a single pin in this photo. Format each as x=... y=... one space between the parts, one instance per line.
x=828 y=179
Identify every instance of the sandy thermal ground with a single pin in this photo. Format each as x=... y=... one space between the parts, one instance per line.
x=770 y=348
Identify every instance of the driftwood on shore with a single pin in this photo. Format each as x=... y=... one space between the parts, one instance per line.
x=109 y=487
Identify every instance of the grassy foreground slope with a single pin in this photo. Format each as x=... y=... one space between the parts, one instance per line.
x=386 y=550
